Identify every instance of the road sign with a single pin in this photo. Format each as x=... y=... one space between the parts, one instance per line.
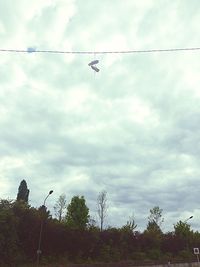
x=196 y=251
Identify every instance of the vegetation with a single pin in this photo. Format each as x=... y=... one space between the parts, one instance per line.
x=102 y=208
x=75 y=238
x=60 y=207
x=77 y=213
x=23 y=191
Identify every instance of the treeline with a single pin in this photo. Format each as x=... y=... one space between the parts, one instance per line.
x=74 y=237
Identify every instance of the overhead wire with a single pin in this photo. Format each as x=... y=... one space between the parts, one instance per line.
x=101 y=52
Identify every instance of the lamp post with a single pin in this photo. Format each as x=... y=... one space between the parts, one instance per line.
x=187 y=236
x=188 y=219
x=41 y=228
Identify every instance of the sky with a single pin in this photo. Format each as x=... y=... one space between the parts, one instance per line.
x=132 y=129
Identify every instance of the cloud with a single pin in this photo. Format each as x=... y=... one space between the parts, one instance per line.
x=131 y=129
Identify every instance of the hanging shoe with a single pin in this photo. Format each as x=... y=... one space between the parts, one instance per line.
x=93 y=62
x=95 y=68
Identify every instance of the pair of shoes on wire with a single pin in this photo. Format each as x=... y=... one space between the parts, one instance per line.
x=92 y=64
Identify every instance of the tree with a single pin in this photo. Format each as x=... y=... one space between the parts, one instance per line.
x=153 y=227
x=181 y=229
x=92 y=224
x=28 y=227
x=102 y=207
x=130 y=225
x=184 y=234
x=77 y=213
x=8 y=234
x=156 y=216
x=60 y=207
x=23 y=192
x=6 y=204
x=44 y=213
x=153 y=233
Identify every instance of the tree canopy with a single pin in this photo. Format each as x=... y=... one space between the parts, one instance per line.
x=77 y=238
x=23 y=192
x=77 y=213
x=156 y=216
x=60 y=207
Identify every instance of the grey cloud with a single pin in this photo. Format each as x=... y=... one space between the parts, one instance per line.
x=63 y=127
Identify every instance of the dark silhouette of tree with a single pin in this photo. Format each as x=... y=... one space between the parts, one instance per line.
x=44 y=213
x=28 y=227
x=23 y=192
x=60 y=207
x=182 y=229
x=184 y=234
x=153 y=233
x=102 y=207
x=77 y=213
x=78 y=240
x=130 y=225
x=9 y=249
x=156 y=216
x=154 y=228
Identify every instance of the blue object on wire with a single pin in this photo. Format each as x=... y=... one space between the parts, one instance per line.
x=31 y=49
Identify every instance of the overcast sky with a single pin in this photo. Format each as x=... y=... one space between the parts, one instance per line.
x=132 y=129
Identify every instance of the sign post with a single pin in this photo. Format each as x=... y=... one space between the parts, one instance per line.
x=196 y=252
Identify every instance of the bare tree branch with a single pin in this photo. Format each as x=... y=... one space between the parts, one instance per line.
x=60 y=207
x=102 y=207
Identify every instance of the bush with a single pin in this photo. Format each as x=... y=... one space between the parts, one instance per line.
x=138 y=256
x=154 y=254
x=185 y=255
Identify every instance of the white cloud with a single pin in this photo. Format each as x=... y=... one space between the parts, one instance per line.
x=132 y=129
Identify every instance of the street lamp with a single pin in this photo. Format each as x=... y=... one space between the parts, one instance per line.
x=187 y=236
x=41 y=228
x=188 y=219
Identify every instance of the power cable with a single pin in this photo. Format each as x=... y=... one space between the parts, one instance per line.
x=33 y=50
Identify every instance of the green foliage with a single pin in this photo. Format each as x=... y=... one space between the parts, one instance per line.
x=153 y=233
x=6 y=204
x=23 y=191
x=153 y=227
x=138 y=256
x=185 y=255
x=184 y=235
x=130 y=225
x=154 y=254
x=8 y=235
x=109 y=254
x=156 y=216
x=182 y=229
x=152 y=236
x=77 y=213
x=82 y=241
x=44 y=213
